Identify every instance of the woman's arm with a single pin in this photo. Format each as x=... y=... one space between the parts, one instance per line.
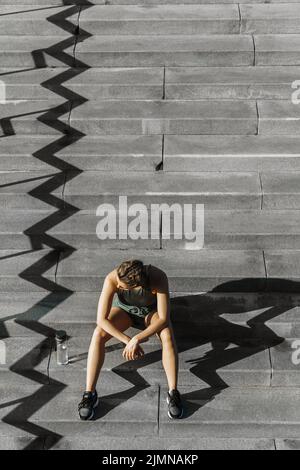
x=104 y=306
x=163 y=310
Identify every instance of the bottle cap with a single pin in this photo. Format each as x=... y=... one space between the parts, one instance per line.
x=61 y=335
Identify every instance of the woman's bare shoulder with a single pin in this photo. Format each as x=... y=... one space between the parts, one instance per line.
x=111 y=278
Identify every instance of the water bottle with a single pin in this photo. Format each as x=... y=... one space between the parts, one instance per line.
x=62 y=355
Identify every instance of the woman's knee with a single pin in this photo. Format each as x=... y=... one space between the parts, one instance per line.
x=166 y=335
x=100 y=334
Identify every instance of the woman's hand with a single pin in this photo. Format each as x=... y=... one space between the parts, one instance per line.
x=133 y=350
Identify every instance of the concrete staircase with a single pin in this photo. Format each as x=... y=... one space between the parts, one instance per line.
x=162 y=101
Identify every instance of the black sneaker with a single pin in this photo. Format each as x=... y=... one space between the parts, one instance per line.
x=87 y=405
x=174 y=404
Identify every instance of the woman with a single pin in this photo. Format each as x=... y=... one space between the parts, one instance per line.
x=133 y=295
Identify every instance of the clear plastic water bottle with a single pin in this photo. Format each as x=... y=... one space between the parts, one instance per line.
x=62 y=354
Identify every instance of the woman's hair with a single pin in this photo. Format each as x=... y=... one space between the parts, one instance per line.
x=132 y=273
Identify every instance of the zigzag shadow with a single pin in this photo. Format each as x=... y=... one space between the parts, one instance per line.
x=28 y=406
x=197 y=321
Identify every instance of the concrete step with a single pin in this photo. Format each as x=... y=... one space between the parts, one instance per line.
x=118 y=83
x=171 y=2
x=31 y=190
x=234 y=83
x=38 y=190
x=24 y=229
x=29 y=271
x=165 y=117
x=165 y=50
x=277 y=49
x=191 y=153
x=246 y=319
x=262 y=412
x=105 y=153
x=85 y=270
x=278 y=117
x=26 y=441
x=246 y=230
x=28 y=360
x=28 y=21
x=223 y=229
x=270 y=18
x=52 y=404
x=231 y=153
x=275 y=271
x=283 y=264
x=35 y=117
x=37 y=51
x=23 y=272
x=215 y=190
x=157 y=443
x=100 y=83
x=137 y=117
x=161 y=19
x=198 y=362
x=281 y=190
x=25 y=360
x=134 y=2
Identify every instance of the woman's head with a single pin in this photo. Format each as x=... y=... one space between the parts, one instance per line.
x=131 y=273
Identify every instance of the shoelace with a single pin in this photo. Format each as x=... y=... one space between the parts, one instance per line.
x=175 y=398
x=85 y=401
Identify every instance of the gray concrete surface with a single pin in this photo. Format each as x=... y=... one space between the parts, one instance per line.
x=164 y=101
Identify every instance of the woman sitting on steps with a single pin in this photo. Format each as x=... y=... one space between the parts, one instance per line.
x=133 y=295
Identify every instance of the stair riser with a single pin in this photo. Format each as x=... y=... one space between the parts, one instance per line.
x=28 y=59
x=85 y=162
x=158 y=377
x=230 y=92
x=26 y=202
x=146 y=126
x=210 y=201
x=277 y=58
x=135 y=2
x=183 y=331
x=236 y=430
x=139 y=126
x=229 y=163
x=237 y=242
x=270 y=26
x=155 y=92
x=211 y=241
x=163 y=27
x=102 y=92
x=17 y=27
x=90 y=284
x=34 y=127
x=279 y=126
x=159 y=59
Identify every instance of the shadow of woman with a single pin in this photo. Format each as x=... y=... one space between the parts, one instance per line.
x=198 y=320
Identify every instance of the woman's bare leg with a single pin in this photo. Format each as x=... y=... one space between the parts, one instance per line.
x=96 y=353
x=169 y=352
